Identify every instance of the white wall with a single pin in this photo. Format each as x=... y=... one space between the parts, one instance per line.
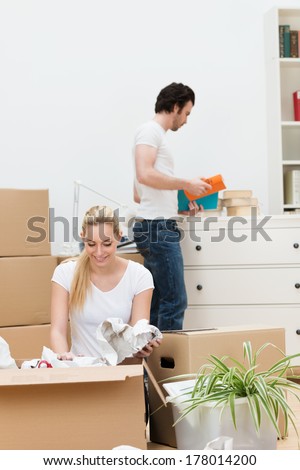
x=78 y=76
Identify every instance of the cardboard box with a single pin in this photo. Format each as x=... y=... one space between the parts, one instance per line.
x=24 y=214
x=134 y=256
x=26 y=341
x=185 y=351
x=62 y=258
x=74 y=408
x=25 y=290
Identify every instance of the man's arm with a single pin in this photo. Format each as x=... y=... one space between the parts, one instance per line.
x=136 y=196
x=145 y=157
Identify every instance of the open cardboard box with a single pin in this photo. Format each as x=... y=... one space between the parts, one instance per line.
x=73 y=408
x=185 y=351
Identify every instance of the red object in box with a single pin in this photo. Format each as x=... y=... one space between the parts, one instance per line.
x=296 y=97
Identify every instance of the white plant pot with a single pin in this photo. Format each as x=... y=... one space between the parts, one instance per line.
x=205 y=423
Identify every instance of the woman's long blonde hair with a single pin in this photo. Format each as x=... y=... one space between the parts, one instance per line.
x=81 y=283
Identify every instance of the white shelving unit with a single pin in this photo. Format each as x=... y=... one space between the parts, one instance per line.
x=282 y=79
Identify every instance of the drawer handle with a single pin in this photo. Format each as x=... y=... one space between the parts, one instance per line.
x=298 y=332
x=199 y=287
x=297 y=285
x=198 y=247
x=296 y=245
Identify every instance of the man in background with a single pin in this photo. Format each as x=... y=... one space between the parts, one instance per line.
x=155 y=189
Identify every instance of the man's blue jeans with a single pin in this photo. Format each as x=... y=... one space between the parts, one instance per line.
x=158 y=241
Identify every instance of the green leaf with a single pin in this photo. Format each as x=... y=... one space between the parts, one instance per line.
x=221 y=385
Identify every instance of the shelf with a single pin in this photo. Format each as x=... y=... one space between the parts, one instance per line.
x=290 y=123
x=283 y=132
x=291 y=206
x=287 y=62
x=291 y=162
x=290 y=13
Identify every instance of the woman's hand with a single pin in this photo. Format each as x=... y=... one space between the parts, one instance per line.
x=147 y=350
x=65 y=356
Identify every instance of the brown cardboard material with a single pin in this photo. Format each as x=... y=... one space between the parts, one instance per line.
x=26 y=341
x=74 y=408
x=62 y=259
x=25 y=290
x=185 y=351
x=137 y=257
x=25 y=217
x=154 y=383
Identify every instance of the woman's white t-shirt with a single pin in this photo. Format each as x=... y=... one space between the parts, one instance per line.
x=101 y=305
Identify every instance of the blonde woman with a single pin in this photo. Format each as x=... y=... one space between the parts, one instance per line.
x=97 y=286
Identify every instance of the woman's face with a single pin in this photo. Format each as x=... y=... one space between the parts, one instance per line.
x=100 y=243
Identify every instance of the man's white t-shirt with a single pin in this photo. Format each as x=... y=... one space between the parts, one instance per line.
x=156 y=203
x=101 y=305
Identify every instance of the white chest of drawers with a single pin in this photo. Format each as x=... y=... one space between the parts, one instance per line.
x=242 y=271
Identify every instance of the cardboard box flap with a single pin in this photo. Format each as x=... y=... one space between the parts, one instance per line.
x=189 y=331
x=224 y=329
x=154 y=383
x=11 y=377
x=83 y=408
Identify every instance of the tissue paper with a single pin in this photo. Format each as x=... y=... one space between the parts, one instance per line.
x=119 y=340
x=50 y=357
x=6 y=361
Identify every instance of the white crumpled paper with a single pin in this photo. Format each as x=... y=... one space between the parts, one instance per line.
x=6 y=361
x=119 y=340
x=51 y=357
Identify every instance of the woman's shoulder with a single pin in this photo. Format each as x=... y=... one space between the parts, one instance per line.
x=67 y=265
x=69 y=261
x=139 y=276
x=135 y=265
x=137 y=268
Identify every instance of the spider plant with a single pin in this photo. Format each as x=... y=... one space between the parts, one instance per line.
x=220 y=385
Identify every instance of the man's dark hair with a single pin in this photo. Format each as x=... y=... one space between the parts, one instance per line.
x=175 y=93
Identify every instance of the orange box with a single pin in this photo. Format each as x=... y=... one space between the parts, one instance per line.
x=216 y=183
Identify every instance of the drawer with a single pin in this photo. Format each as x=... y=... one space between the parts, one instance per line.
x=276 y=316
x=239 y=247
x=243 y=286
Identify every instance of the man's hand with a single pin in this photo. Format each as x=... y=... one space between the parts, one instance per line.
x=193 y=209
x=197 y=186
